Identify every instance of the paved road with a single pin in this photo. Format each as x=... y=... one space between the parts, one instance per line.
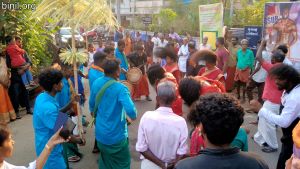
x=24 y=147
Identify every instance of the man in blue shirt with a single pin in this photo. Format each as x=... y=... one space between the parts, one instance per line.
x=46 y=111
x=96 y=70
x=119 y=53
x=111 y=127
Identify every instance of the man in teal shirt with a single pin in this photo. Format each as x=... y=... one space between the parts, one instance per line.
x=96 y=70
x=119 y=53
x=111 y=126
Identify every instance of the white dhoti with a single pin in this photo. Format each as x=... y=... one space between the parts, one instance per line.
x=146 y=164
x=182 y=63
x=266 y=132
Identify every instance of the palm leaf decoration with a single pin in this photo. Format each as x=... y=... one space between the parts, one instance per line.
x=67 y=56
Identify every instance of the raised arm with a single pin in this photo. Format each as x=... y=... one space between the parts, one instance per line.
x=259 y=52
x=54 y=140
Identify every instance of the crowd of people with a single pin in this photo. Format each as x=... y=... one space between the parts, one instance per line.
x=206 y=80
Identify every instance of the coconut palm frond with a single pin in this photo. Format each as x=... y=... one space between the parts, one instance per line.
x=68 y=57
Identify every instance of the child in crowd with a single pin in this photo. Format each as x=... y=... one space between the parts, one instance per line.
x=19 y=58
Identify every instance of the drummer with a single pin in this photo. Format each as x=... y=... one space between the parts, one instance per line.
x=156 y=75
x=138 y=59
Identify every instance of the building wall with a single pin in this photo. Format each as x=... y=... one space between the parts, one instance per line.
x=140 y=7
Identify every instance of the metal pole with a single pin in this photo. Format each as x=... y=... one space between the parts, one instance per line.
x=118 y=11
x=231 y=10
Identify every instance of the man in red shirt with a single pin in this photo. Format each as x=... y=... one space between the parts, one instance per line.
x=266 y=134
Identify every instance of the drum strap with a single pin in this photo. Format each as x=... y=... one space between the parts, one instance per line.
x=100 y=94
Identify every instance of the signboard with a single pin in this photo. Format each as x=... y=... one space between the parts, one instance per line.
x=253 y=35
x=147 y=20
x=211 y=20
x=282 y=26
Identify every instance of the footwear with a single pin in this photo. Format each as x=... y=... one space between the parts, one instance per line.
x=268 y=149
x=18 y=117
x=148 y=98
x=95 y=150
x=74 y=159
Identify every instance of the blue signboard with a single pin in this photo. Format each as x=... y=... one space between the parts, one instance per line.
x=253 y=34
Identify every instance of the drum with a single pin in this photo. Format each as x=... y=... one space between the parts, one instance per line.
x=129 y=85
x=134 y=75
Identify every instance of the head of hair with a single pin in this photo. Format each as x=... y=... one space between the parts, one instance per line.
x=170 y=52
x=189 y=90
x=244 y=41
x=8 y=39
x=4 y=134
x=220 y=115
x=90 y=45
x=99 y=57
x=278 y=56
x=192 y=45
x=166 y=92
x=121 y=42
x=49 y=77
x=111 y=66
x=207 y=55
x=18 y=38
x=155 y=72
x=139 y=48
x=284 y=48
x=285 y=72
x=108 y=49
x=221 y=40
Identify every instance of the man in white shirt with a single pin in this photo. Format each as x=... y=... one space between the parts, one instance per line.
x=204 y=44
x=288 y=79
x=162 y=42
x=155 y=40
x=183 y=54
x=162 y=135
x=258 y=77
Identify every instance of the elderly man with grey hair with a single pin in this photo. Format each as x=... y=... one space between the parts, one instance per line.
x=244 y=66
x=204 y=45
x=162 y=135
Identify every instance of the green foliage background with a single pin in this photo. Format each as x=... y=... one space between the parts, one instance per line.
x=34 y=33
x=187 y=16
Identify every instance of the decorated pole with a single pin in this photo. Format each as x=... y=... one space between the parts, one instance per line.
x=75 y=69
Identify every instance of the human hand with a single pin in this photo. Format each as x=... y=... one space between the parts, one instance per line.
x=263 y=42
x=83 y=142
x=76 y=98
x=56 y=139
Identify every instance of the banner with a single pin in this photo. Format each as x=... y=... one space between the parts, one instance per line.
x=253 y=35
x=282 y=26
x=211 y=21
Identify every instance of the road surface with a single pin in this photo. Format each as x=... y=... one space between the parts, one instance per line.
x=24 y=151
